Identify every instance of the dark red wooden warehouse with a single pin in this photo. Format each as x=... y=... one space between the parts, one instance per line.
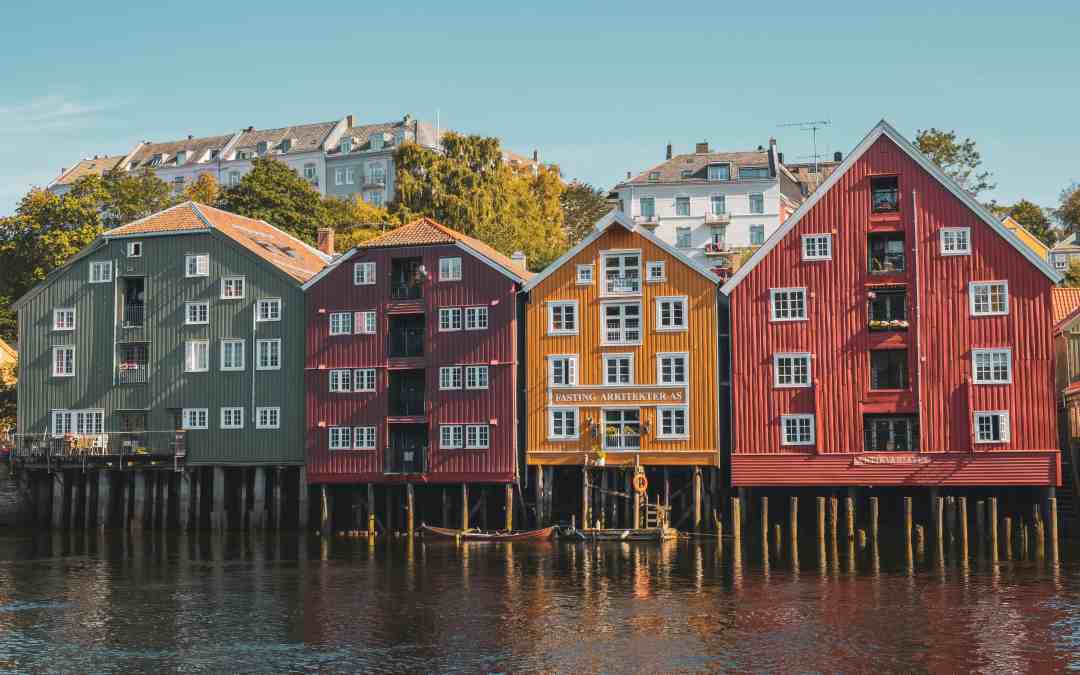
x=892 y=332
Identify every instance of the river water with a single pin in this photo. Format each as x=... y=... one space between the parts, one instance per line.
x=113 y=602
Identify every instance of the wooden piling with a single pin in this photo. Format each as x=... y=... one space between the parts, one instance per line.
x=834 y=516
x=950 y=522
x=821 y=521
x=964 y=551
x=88 y=513
x=509 y=525
x=939 y=527
x=1051 y=506
x=861 y=535
x=183 y=501
x=279 y=496
x=992 y=518
x=874 y=518
x=736 y=523
x=1039 y=530
x=793 y=527
x=1025 y=538
x=920 y=541
x=218 y=509
x=325 y=518
x=778 y=539
x=138 y=516
x=907 y=520
x=849 y=507
x=635 y=504
x=464 y=506
x=1008 y=537
x=410 y=509
x=765 y=519
x=541 y=517
x=697 y=498
x=584 y=497
x=369 y=508
x=58 y=489
x=980 y=527
x=302 y=502
x=258 y=500
x=104 y=500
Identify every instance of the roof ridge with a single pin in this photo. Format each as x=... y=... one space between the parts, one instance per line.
x=149 y=216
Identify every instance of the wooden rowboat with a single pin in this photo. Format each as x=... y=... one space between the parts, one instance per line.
x=478 y=535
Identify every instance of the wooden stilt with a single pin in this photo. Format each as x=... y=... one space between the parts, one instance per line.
x=446 y=504
x=1039 y=531
x=849 y=508
x=509 y=525
x=907 y=533
x=258 y=499
x=874 y=518
x=939 y=527
x=88 y=512
x=302 y=491
x=549 y=492
x=697 y=498
x=410 y=509
x=1024 y=539
x=219 y=498
x=861 y=536
x=59 y=483
x=980 y=527
x=823 y=559
x=992 y=526
x=765 y=520
x=584 y=497
x=920 y=541
x=138 y=517
x=279 y=496
x=736 y=525
x=604 y=487
x=245 y=517
x=183 y=501
x=964 y=551
x=1051 y=506
x=464 y=506
x=324 y=511
x=104 y=500
x=369 y=509
x=198 y=510
x=1008 y=537
x=950 y=522
x=778 y=539
x=635 y=504
x=667 y=488
x=793 y=510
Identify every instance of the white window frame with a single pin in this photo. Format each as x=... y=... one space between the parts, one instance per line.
x=451 y=436
x=189 y=306
x=472 y=318
x=134 y=249
x=56 y=372
x=796 y=418
x=273 y=417
x=350 y=175
x=339 y=380
x=622 y=330
x=951 y=250
x=551 y=305
x=365 y=379
x=101 y=271
x=774 y=292
x=342 y=329
x=243 y=355
x=450 y=269
x=617 y=356
x=364 y=438
x=195 y=418
x=661 y=410
x=472 y=377
x=990 y=353
x=63 y=326
x=1004 y=425
x=661 y=356
x=451 y=378
x=230 y=410
x=473 y=433
x=365 y=323
x=973 y=289
x=689 y=237
x=551 y=423
x=586 y=275
x=228 y=290
x=651 y=277
x=190 y=347
x=363 y=274
x=201 y=267
x=674 y=300
x=571 y=369
x=339 y=438
x=793 y=355
x=339 y=175
x=272 y=307
x=811 y=246
x=274 y=346
x=453 y=319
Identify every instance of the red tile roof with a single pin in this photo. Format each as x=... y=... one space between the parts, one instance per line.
x=287 y=253
x=1066 y=301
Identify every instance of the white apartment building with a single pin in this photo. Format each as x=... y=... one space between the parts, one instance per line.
x=712 y=205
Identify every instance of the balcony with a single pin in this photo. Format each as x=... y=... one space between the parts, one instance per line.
x=134 y=315
x=888 y=310
x=622 y=284
x=406 y=340
x=651 y=221
x=718 y=248
x=113 y=446
x=407 y=393
x=717 y=218
x=132 y=365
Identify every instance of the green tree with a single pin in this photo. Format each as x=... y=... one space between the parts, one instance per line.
x=1034 y=220
x=959 y=159
x=130 y=196
x=582 y=206
x=204 y=189
x=355 y=220
x=273 y=192
x=1072 y=275
x=1068 y=214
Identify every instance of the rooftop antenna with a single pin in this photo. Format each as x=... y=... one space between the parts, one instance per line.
x=812 y=127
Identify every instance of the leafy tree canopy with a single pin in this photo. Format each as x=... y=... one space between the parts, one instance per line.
x=1068 y=214
x=582 y=206
x=1072 y=275
x=273 y=192
x=355 y=221
x=205 y=190
x=1034 y=220
x=959 y=159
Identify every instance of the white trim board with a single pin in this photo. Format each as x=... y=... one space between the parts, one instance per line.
x=883 y=128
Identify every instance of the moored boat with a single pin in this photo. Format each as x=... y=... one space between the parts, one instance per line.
x=480 y=535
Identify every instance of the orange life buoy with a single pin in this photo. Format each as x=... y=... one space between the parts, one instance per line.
x=641 y=483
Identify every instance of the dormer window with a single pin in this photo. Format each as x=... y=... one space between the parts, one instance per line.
x=377 y=142
x=719 y=172
x=243 y=154
x=654 y=176
x=346 y=146
x=753 y=172
x=156 y=159
x=884 y=194
x=260 y=148
x=214 y=154
x=686 y=173
x=286 y=145
x=181 y=157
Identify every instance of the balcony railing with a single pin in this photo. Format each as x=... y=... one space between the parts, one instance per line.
x=134 y=315
x=406 y=405
x=717 y=248
x=623 y=441
x=411 y=459
x=719 y=218
x=118 y=444
x=406 y=291
x=133 y=373
x=622 y=284
x=407 y=343
x=648 y=221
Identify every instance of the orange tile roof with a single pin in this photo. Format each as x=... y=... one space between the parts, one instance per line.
x=1065 y=303
x=425 y=231
x=287 y=253
x=98 y=166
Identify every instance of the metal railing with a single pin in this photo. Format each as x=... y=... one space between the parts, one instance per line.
x=412 y=459
x=134 y=315
x=406 y=343
x=622 y=283
x=406 y=292
x=133 y=373
x=623 y=441
x=406 y=405
x=41 y=447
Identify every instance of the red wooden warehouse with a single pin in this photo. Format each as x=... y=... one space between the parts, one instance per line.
x=892 y=332
x=412 y=356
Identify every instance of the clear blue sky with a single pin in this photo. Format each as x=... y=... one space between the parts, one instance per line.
x=598 y=88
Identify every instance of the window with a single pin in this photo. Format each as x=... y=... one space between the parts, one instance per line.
x=346 y=145
x=340 y=380
x=884 y=194
x=682 y=206
x=364 y=438
x=757 y=202
x=718 y=205
x=340 y=438
x=101 y=272
x=585 y=275
x=886 y=253
x=268 y=354
x=450 y=377
x=991 y=427
x=992 y=366
x=618 y=368
x=1061 y=262
x=989 y=298
x=788 y=304
x=449 y=269
x=340 y=323
x=61 y=422
x=889 y=369
x=655 y=271
x=719 y=172
x=791 y=370
x=647 y=206
x=686 y=173
x=339 y=176
x=682 y=237
x=796 y=429
x=377 y=142
x=757 y=235
x=350 y=175
x=477 y=436
x=269 y=309
x=956 y=241
x=753 y=172
x=268 y=417
x=672 y=422
x=451 y=436
x=365 y=323
x=717 y=238
x=309 y=172
x=671 y=368
x=622 y=273
x=890 y=433
x=197 y=265
x=195 y=418
x=196 y=313
x=374 y=197
x=888 y=310
x=622 y=429
x=63 y=358
x=562 y=424
x=450 y=319
x=86 y=422
x=622 y=323
x=63 y=318
x=562 y=371
x=196 y=356
x=232 y=288
x=234 y=176
x=563 y=318
x=654 y=176
x=476 y=318
x=817 y=246
x=134 y=249
x=364 y=379
x=232 y=354
x=671 y=313
x=363 y=274
x=232 y=418
x=476 y=377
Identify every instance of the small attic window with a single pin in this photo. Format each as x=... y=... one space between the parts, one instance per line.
x=346 y=145
x=286 y=145
x=243 y=154
x=261 y=147
x=156 y=159
x=377 y=141
x=215 y=153
x=181 y=157
x=654 y=175
x=686 y=173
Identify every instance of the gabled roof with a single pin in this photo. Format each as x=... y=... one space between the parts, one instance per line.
x=1069 y=243
x=1025 y=235
x=1065 y=302
x=280 y=249
x=427 y=232
x=96 y=166
x=671 y=170
x=417 y=131
x=196 y=148
x=619 y=218
x=302 y=137
x=883 y=128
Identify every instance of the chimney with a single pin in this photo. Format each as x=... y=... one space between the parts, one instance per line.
x=667 y=155
x=349 y=121
x=627 y=175
x=519 y=259
x=772 y=142
x=838 y=157
x=250 y=129
x=536 y=156
x=63 y=170
x=325 y=240
x=189 y=137
x=702 y=148
x=405 y=120
x=780 y=156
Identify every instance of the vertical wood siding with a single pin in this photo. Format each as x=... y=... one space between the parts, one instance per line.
x=837 y=335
